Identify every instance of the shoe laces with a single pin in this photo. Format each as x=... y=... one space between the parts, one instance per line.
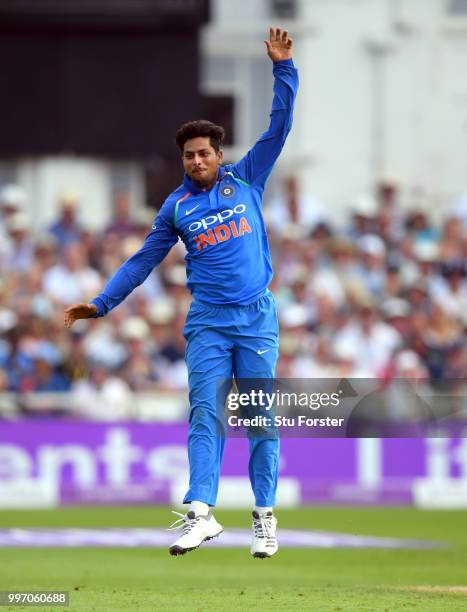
x=263 y=526
x=185 y=523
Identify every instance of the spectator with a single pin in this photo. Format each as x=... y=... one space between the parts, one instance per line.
x=72 y=279
x=19 y=247
x=371 y=271
x=396 y=313
x=12 y=201
x=294 y=208
x=450 y=291
x=76 y=364
x=137 y=368
x=66 y=230
x=122 y=224
x=46 y=252
x=441 y=335
x=419 y=227
x=453 y=240
x=173 y=352
x=102 y=396
x=7 y=399
x=364 y=211
x=373 y=341
x=160 y=317
x=46 y=376
x=347 y=361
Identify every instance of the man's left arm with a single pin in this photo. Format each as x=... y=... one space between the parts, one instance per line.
x=257 y=164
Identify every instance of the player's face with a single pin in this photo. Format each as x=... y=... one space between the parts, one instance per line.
x=201 y=161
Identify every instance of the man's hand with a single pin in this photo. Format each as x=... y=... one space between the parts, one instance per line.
x=78 y=311
x=279 y=45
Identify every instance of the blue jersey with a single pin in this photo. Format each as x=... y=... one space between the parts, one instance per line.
x=228 y=259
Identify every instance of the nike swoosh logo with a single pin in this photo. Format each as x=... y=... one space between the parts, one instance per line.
x=188 y=212
x=261 y=352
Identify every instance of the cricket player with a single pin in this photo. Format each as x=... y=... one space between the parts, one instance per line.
x=231 y=329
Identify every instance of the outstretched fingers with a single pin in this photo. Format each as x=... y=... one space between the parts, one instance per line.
x=68 y=319
x=276 y=35
x=279 y=45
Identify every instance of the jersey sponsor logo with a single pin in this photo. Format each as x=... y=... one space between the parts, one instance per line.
x=217 y=218
x=221 y=233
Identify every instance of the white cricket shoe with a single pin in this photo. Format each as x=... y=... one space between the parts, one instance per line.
x=195 y=531
x=264 y=542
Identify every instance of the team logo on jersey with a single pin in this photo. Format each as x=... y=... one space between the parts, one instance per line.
x=227 y=191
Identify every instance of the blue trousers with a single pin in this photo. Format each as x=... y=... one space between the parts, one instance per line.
x=225 y=342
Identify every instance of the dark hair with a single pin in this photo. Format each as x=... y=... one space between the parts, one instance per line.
x=202 y=128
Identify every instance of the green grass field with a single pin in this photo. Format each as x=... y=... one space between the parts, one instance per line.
x=221 y=579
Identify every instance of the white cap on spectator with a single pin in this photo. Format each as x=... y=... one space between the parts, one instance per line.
x=364 y=300
x=12 y=196
x=363 y=206
x=176 y=275
x=426 y=251
x=344 y=350
x=293 y=231
x=42 y=307
x=407 y=360
x=371 y=244
x=144 y=217
x=161 y=312
x=134 y=328
x=459 y=208
x=389 y=178
x=68 y=198
x=289 y=344
x=419 y=284
x=130 y=245
x=342 y=245
x=299 y=274
x=20 y=221
x=395 y=307
x=8 y=320
x=294 y=315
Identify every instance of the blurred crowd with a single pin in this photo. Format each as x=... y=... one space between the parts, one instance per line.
x=380 y=293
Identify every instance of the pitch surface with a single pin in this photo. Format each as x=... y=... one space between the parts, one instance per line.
x=321 y=579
